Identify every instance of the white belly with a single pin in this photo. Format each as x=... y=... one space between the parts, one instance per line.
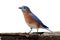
x=32 y=26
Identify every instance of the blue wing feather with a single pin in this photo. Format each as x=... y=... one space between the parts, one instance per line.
x=37 y=19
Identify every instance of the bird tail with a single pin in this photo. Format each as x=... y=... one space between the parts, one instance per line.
x=49 y=30
x=45 y=27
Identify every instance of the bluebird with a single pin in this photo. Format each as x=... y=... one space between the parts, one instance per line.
x=32 y=20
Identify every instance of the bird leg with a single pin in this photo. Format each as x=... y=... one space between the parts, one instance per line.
x=37 y=30
x=30 y=30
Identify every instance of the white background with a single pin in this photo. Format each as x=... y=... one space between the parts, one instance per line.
x=12 y=20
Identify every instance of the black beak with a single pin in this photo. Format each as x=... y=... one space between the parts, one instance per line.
x=20 y=7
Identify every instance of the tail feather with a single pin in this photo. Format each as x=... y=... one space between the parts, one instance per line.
x=49 y=30
x=45 y=27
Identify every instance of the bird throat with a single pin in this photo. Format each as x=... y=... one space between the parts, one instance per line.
x=26 y=15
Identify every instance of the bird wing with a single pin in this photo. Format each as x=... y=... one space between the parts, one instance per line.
x=38 y=20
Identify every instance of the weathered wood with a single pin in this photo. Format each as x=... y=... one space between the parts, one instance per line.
x=32 y=36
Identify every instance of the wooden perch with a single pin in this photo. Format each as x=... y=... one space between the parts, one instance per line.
x=32 y=36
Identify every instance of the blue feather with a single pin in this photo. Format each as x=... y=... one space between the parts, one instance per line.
x=37 y=19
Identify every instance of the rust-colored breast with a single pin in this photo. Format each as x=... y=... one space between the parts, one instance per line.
x=30 y=20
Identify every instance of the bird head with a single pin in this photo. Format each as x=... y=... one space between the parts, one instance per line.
x=25 y=8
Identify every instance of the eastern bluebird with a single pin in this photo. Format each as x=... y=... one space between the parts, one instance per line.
x=32 y=20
